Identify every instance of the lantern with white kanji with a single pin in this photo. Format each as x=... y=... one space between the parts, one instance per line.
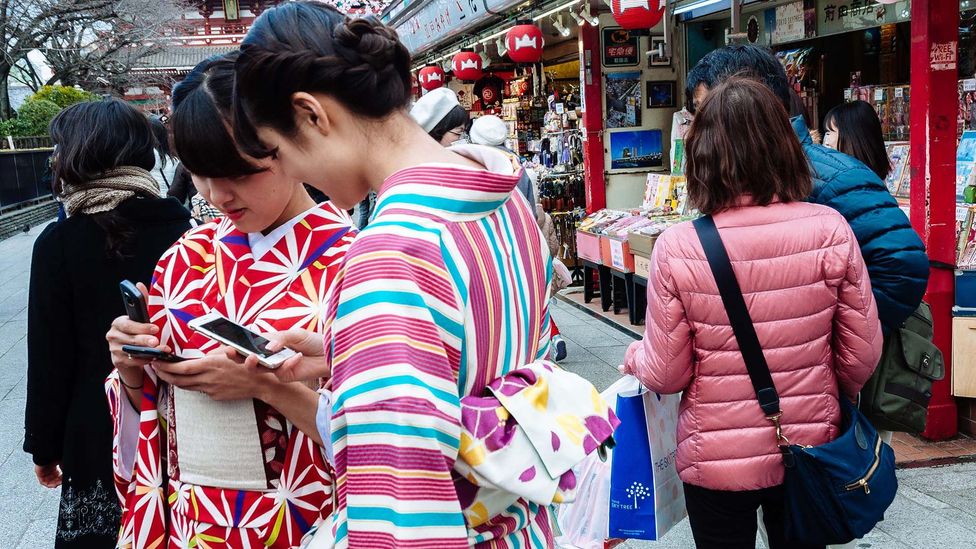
x=638 y=14
x=467 y=65
x=431 y=77
x=525 y=42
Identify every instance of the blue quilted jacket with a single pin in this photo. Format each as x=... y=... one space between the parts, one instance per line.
x=894 y=253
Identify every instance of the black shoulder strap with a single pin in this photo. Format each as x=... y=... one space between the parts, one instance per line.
x=735 y=306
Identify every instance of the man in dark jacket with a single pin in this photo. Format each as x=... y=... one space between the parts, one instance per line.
x=182 y=187
x=892 y=250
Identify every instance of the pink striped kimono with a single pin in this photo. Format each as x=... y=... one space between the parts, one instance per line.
x=442 y=293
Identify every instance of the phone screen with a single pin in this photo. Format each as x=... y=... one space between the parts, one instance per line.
x=240 y=336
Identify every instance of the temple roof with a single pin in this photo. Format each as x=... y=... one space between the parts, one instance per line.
x=180 y=58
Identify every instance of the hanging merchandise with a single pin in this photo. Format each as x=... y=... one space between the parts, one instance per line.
x=525 y=42
x=638 y=14
x=431 y=77
x=467 y=65
x=489 y=90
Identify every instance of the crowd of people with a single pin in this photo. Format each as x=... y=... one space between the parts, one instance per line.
x=441 y=291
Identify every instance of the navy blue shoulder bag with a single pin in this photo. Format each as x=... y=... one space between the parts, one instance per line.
x=834 y=492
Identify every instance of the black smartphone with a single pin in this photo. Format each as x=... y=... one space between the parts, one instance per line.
x=148 y=353
x=135 y=302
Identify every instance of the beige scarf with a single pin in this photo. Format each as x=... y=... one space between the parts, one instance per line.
x=109 y=190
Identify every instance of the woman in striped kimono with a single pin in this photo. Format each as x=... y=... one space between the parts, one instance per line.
x=444 y=291
x=213 y=451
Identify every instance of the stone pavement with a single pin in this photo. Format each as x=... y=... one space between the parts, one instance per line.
x=28 y=511
x=935 y=508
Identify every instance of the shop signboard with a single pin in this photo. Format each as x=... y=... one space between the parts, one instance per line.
x=790 y=23
x=620 y=48
x=837 y=16
x=438 y=21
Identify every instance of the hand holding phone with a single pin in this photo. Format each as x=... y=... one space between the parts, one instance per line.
x=135 y=302
x=149 y=353
x=217 y=327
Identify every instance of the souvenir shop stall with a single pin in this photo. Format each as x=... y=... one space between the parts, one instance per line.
x=529 y=76
x=645 y=189
x=558 y=162
x=889 y=53
x=588 y=95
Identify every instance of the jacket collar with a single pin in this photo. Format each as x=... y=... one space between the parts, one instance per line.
x=802 y=131
x=745 y=200
x=154 y=209
x=453 y=192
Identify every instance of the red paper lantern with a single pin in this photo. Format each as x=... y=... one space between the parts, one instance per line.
x=638 y=14
x=525 y=42
x=467 y=65
x=431 y=77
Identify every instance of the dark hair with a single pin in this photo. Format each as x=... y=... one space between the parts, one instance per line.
x=97 y=136
x=859 y=135
x=312 y=47
x=161 y=134
x=798 y=107
x=455 y=118
x=93 y=138
x=741 y=142
x=201 y=119
x=741 y=60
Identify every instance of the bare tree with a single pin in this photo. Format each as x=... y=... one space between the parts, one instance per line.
x=107 y=49
x=27 y=74
x=27 y=25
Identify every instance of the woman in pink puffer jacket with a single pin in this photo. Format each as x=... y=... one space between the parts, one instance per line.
x=807 y=290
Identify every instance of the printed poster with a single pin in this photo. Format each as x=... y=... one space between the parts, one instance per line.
x=624 y=99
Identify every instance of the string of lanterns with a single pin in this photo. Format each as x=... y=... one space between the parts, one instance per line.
x=524 y=42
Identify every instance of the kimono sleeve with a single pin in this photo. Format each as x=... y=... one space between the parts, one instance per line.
x=396 y=410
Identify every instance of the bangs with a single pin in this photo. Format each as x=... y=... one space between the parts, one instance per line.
x=203 y=142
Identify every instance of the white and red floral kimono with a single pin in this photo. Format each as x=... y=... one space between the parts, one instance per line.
x=236 y=474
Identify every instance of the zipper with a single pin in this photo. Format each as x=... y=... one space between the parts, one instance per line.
x=862 y=483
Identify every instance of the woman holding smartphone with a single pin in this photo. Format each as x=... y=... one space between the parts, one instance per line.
x=224 y=454
x=117 y=228
x=444 y=291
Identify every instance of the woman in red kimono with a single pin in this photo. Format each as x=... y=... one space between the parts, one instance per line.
x=211 y=452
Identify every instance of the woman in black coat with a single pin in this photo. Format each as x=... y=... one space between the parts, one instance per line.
x=117 y=228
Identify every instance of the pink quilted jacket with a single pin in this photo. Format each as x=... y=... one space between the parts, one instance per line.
x=808 y=293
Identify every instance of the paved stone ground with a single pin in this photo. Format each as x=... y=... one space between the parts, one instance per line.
x=935 y=508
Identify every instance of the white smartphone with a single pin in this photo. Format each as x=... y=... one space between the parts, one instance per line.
x=217 y=327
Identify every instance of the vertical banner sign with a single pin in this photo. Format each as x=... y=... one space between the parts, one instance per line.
x=232 y=10
x=810 y=18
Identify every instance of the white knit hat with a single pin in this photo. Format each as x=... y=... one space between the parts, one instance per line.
x=489 y=130
x=430 y=109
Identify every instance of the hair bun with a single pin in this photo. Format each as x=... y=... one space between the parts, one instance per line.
x=312 y=47
x=367 y=40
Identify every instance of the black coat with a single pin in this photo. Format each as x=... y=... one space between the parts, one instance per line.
x=182 y=187
x=74 y=296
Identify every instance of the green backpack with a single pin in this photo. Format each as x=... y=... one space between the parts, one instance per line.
x=896 y=398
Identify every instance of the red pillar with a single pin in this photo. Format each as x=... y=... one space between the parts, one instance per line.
x=934 y=74
x=593 y=160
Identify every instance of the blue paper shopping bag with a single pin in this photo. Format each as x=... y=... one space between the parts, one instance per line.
x=646 y=495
